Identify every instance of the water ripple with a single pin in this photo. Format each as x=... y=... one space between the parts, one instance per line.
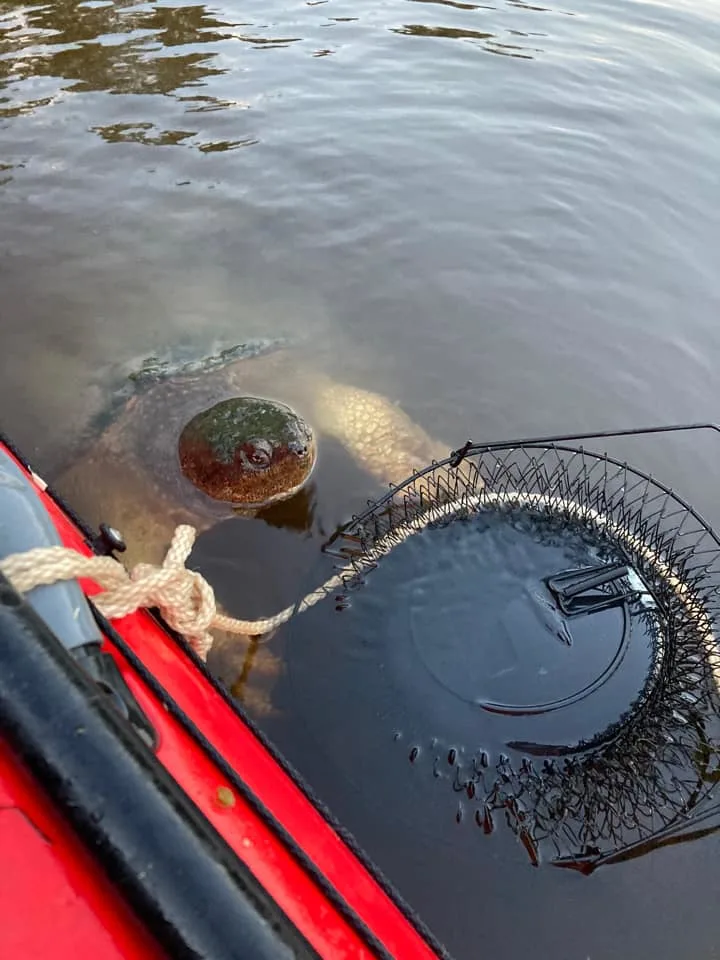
x=487 y=40
x=126 y=48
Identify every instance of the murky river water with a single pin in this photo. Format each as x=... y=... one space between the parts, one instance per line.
x=503 y=215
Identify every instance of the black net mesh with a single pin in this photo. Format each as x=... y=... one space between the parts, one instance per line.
x=651 y=777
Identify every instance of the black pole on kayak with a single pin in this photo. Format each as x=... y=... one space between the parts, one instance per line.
x=179 y=875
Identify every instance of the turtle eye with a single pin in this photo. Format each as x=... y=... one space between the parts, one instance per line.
x=257 y=454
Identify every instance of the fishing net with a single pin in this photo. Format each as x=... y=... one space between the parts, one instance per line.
x=552 y=611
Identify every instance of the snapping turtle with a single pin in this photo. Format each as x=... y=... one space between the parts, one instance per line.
x=231 y=436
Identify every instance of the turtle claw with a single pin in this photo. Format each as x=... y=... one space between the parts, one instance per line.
x=256 y=702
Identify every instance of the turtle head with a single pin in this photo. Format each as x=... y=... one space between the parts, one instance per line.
x=247 y=451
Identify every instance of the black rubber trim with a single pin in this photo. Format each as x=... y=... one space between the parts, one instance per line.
x=307 y=864
x=187 y=886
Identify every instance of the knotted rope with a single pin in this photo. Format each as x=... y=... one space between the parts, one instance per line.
x=187 y=602
x=184 y=598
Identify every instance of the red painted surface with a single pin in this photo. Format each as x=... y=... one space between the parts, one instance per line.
x=254 y=842
x=54 y=901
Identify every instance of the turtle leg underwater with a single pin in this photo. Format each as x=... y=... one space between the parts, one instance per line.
x=380 y=436
x=248 y=669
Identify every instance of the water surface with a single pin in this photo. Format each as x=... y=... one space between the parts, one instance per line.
x=503 y=215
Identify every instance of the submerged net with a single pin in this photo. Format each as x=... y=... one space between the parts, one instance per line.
x=650 y=776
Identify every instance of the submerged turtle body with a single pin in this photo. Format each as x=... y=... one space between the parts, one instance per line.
x=152 y=467
x=198 y=448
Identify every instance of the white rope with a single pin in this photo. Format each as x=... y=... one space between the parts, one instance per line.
x=184 y=598
x=187 y=602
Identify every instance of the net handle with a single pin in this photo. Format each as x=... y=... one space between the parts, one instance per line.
x=457 y=456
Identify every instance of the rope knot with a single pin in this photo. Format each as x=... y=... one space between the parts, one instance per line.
x=183 y=597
